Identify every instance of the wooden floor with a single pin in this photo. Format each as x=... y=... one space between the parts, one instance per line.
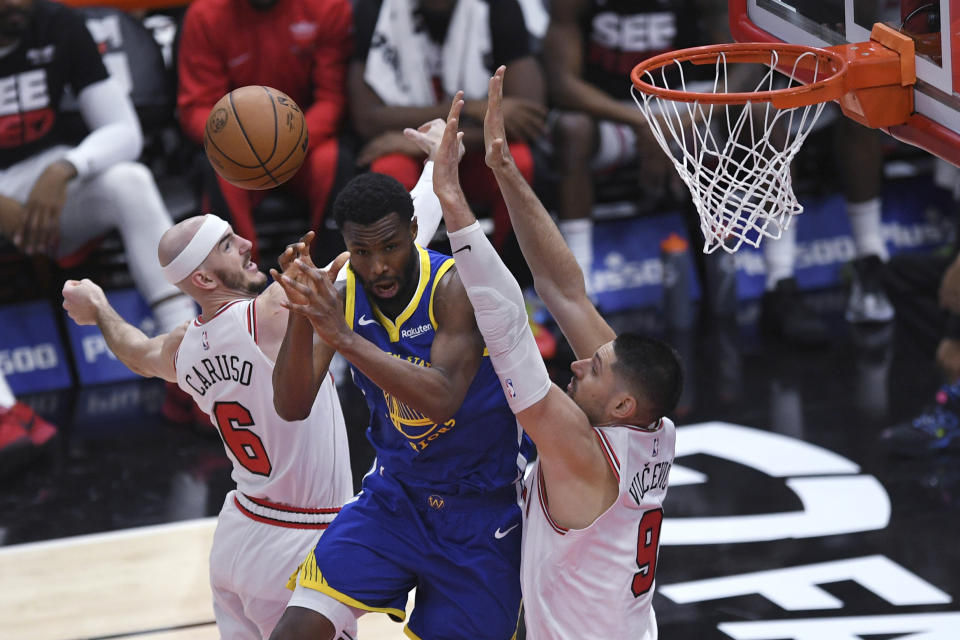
x=150 y=583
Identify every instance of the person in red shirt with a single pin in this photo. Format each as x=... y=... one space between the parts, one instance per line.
x=300 y=47
x=411 y=57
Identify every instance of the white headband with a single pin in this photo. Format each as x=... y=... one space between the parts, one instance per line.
x=197 y=250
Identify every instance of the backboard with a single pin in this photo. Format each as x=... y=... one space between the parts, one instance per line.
x=934 y=25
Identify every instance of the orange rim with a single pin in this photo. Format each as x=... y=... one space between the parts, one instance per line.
x=794 y=59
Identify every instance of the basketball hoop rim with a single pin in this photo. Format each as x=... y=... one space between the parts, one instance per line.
x=823 y=90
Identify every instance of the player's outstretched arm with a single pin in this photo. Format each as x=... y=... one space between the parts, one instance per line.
x=556 y=274
x=570 y=453
x=86 y=304
x=436 y=391
x=426 y=206
x=302 y=360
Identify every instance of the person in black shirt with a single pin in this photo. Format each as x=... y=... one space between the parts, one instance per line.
x=56 y=197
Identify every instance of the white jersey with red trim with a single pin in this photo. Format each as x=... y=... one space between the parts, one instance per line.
x=598 y=582
x=304 y=464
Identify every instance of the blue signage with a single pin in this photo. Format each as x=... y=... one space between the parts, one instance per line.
x=32 y=357
x=627 y=269
x=95 y=362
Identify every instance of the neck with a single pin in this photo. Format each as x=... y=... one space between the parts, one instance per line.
x=216 y=300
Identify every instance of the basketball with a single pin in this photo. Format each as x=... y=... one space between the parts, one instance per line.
x=256 y=137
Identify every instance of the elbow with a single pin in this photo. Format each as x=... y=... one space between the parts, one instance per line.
x=573 y=289
x=290 y=413
x=443 y=413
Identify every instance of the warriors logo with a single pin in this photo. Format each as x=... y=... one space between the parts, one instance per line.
x=416 y=427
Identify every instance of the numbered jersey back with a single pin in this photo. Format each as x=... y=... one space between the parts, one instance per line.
x=598 y=582
x=296 y=463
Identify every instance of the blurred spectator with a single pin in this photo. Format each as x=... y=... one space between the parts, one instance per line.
x=412 y=57
x=925 y=289
x=23 y=434
x=56 y=198
x=300 y=47
x=588 y=52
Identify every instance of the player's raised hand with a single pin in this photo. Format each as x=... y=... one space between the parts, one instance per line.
x=297 y=250
x=446 y=173
x=82 y=299
x=494 y=135
x=322 y=305
x=428 y=135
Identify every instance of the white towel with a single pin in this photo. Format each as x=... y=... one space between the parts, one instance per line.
x=402 y=58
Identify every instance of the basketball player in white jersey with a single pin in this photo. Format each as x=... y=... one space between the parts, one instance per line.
x=292 y=477
x=594 y=497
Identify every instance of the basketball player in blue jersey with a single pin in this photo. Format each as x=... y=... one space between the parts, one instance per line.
x=594 y=497
x=439 y=509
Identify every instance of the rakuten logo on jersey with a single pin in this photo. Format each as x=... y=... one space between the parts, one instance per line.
x=25 y=113
x=414 y=332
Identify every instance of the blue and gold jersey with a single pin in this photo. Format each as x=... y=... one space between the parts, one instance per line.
x=476 y=450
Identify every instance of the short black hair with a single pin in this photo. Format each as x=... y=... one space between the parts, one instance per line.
x=370 y=197
x=651 y=370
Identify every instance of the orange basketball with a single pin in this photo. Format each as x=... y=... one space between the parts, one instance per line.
x=256 y=137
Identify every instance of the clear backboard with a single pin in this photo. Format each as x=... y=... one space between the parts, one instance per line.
x=933 y=25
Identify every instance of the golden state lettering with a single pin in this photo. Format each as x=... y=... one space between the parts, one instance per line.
x=418 y=429
x=221 y=368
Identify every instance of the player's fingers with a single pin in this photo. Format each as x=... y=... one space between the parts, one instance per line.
x=426 y=127
x=308 y=269
x=29 y=230
x=292 y=286
x=301 y=309
x=455 y=106
x=338 y=263
x=422 y=141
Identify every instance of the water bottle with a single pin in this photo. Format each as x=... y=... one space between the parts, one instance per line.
x=721 y=285
x=675 y=258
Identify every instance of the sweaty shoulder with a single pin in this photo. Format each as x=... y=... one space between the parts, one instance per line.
x=450 y=301
x=449 y=285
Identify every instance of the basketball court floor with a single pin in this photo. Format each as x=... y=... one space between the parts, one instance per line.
x=785 y=517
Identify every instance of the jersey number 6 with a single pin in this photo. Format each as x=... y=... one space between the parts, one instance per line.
x=648 y=541
x=247 y=447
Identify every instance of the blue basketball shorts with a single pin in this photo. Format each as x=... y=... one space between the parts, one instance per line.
x=461 y=553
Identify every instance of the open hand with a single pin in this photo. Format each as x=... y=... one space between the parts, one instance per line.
x=298 y=250
x=82 y=299
x=494 y=135
x=40 y=232
x=322 y=305
x=428 y=135
x=12 y=218
x=446 y=175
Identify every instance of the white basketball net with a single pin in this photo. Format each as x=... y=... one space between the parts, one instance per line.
x=737 y=164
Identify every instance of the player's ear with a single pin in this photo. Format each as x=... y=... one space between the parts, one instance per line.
x=413 y=226
x=202 y=280
x=624 y=406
